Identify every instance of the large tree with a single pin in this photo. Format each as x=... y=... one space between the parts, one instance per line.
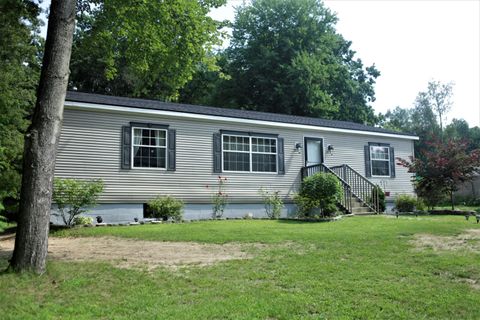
x=41 y=142
x=143 y=49
x=20 y=47
x=285 y=56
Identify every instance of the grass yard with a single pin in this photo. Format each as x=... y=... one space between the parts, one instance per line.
x=361 y=267
x=3 y=224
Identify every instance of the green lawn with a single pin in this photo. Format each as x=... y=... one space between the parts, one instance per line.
x=3 y=224
x=361 y=267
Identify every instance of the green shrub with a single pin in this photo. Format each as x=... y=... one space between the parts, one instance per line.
x=378 y=192
x=319 y=191
x=405 y=203
x=420 y=205
x=73 y=197
x=272 y=202
x=3 y=223
x=167 y=207
x=81 y=221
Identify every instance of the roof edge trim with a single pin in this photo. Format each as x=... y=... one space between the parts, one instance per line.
x=98 y=106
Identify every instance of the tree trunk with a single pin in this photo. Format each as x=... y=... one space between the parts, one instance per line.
x=41 y=142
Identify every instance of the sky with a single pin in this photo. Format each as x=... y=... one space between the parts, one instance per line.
x=411 y=42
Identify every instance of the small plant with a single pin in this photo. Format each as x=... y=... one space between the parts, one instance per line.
x=219 y=198
x=377 y=192
x=167 y=207
x=405 y=203
x=81 y=221
x=73 y=197
x=319 y=191
x=272 y=202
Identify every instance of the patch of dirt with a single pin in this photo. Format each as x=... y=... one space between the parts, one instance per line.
x=129 y=253
x=470 y=241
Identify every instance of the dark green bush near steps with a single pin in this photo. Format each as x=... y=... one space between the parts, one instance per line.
x=318 y=196
x=378 y=192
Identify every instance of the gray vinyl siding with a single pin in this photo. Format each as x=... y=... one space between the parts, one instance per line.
x=90 y=147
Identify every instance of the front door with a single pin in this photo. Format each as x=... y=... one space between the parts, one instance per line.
x=313 y=151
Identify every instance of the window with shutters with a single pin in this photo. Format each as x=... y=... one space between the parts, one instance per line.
x=249 y=154
x=149 y=148
x=380 y=161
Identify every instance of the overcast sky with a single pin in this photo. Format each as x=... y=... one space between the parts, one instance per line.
x=411 y=42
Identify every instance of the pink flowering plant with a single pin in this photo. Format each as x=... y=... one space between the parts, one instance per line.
x=219 y=198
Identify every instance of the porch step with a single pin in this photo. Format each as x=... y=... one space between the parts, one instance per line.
x=364 y=213
x=361 y=210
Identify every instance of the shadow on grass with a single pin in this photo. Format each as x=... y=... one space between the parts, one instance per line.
x=304 y=221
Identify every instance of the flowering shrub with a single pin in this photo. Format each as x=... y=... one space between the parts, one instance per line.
x=219 y=198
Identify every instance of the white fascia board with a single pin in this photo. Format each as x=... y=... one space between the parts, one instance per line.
x=122 y=109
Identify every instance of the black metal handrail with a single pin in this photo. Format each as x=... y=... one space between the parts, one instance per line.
x=362 y=188
x=345 y=202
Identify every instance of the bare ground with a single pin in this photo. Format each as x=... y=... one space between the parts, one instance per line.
x=469 y=240
x=129 y=253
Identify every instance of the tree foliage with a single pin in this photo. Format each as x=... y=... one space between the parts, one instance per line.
x=20 y=47
x=285 y=56
x=426 y=118
x=441 y=171
x=143 y=49
x=74 y=197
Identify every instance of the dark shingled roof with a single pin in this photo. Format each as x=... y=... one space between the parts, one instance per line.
x=74 y=96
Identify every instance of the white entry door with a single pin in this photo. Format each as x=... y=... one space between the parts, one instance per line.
x=313 y=151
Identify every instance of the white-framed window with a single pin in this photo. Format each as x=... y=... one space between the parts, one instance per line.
x=380 y=161
x=149 y=148
x=249 y=154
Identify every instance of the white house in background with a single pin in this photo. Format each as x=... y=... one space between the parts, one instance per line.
x=144 y=148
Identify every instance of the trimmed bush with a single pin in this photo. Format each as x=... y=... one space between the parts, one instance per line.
x=166 y=207
x=73 y=197
x=319 y=191
x=81 y=221
x=405 y=203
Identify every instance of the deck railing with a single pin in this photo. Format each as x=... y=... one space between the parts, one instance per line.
x=362 y=188
x=345 y=202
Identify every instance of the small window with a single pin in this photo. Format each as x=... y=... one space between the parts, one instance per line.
x=249 y=154
x=380 y=161
x=149 y=148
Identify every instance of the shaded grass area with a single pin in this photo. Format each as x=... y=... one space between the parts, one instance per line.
x=458 y=207
x=362 y=267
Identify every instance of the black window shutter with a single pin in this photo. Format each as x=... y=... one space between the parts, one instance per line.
x=281 y=156
x=171 y=152
x=217 y=153
x=126 y=147
x=392 y=162
x=368 y=170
